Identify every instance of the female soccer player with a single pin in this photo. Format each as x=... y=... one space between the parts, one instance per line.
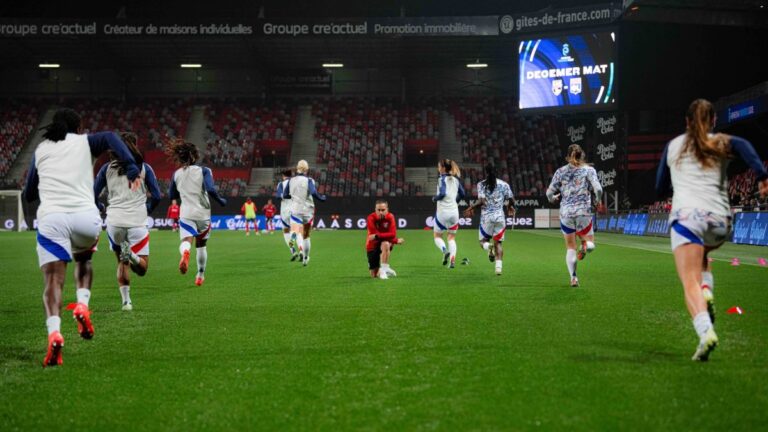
x=69 y=224
x=269 y=215
x=695 y=164
x=571 y=185
x=285 y=212
x=300 y=190
x=127 y=212
x=193 y=184
x=173 y=214
x=449 y=191
x=381 y=240
x=491 y=196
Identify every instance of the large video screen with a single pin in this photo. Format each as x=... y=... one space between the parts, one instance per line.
x=575 y=71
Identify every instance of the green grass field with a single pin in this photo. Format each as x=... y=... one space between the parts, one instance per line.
x=266 y=344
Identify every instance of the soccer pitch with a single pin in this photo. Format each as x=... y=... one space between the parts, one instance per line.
x=270 y=345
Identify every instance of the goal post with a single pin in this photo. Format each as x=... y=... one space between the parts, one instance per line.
x=11 y=211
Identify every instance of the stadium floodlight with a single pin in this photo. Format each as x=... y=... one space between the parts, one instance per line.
x=477 y=65
x=49 y=65
x=191 y=65
x=333 y=65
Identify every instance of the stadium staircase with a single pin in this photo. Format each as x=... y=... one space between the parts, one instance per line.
x=423 y=177
x=450 y=147
x=19 y=168
x=196 y=128
x=261 y=177
x=304 y=145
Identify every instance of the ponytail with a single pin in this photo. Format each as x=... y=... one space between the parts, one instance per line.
x=576 y=156
x=699 y=120
x=65 y=121
x=450 y=167
x=490 y=179
x=130 y=141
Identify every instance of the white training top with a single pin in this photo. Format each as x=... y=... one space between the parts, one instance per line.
x=449 y=186
x=695 y=186
x=127 y=208
x=65 y=170
x=285 y=203
x=302 y=202
x=195 y=203
x=494 y=201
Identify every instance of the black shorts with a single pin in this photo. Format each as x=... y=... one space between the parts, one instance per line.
x=374 y=257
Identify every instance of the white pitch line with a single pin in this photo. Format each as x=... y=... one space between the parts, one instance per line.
x=668 y=252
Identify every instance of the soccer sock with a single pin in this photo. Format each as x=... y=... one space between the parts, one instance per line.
x=287 y=238
x=452 y=248
x=498 y=264
x=202 y=259
x=185 y=246
x=299 y=242
x=440 y=244
x=134 y=259
x=590 y=246
x=83 y=295
x=570 y=261
x=53 y=323
x=702 y=323
x=707 y=281
x=307 y=246
x=125 y=292
x=486 y=246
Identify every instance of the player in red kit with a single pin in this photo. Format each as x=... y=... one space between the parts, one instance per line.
x=382 y=238
x=269 y=212
x=173 y=213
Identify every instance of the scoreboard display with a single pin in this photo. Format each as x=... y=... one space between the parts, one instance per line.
x=573 y=71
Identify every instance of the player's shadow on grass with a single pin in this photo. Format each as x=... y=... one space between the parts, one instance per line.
x=15 y=353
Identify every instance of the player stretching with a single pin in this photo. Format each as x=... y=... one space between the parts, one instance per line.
x=173 y=214
x=449 y=191
x=300 y=190
x=492 y=193
x=285 y=213
x=127 y=212
x=382 y=238
x=269 y=213
x=695 y=164
x=193 y=184
x=69 y=224
x=249 y=211
x=571 y=185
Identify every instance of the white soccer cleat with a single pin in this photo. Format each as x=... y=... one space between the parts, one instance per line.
x=706 y=346
x=305 y=261
x=383 y=275
x=390 y=272
x=127 y=306
x=498 y=270
x=575 y=282
x=125 y=252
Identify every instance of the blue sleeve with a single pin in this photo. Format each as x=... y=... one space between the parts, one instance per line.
x=279 y=191
x=441 y=191
x=313 y=190
x=173 y=192
x=461 y=194
x=663 y=176
x=211 y=188
x=99 y=184
x=102 y=141
x=31 y=192
x=154 y=189
x=287 y=190
x=747 y=153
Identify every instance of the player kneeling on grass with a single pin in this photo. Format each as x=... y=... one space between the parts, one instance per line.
x=69 y=224
x=381 y=240
x=694 y=164
x=127 y=212
x=492 y=193
x=193 y=184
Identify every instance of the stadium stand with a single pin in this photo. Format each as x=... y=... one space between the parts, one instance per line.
x=17 y=121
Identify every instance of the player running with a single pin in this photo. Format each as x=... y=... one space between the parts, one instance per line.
x=127 y=212
x=193 y=184
x=300 y=190
x=173 y=214
x=449 y=192
x=381 y=240
x=492 y=193
x=249 y=212
x=573 y=184
x=269 y=213
x=61 y=177
x=285 y=212
x=694 y=164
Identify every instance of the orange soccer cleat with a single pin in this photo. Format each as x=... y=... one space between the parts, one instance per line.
x=184 y=263
x=55 y=343
x=82 y=315
x=199 y=280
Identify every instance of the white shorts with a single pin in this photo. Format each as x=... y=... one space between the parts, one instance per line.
x=492 y=228
x=698 y=227
x=199 y=229
x=446 y=221
x=580 y=225
x=302 y=219
x=137 y=237
x=60 y=235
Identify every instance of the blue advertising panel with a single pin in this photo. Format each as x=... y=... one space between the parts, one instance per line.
x=750 y=228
